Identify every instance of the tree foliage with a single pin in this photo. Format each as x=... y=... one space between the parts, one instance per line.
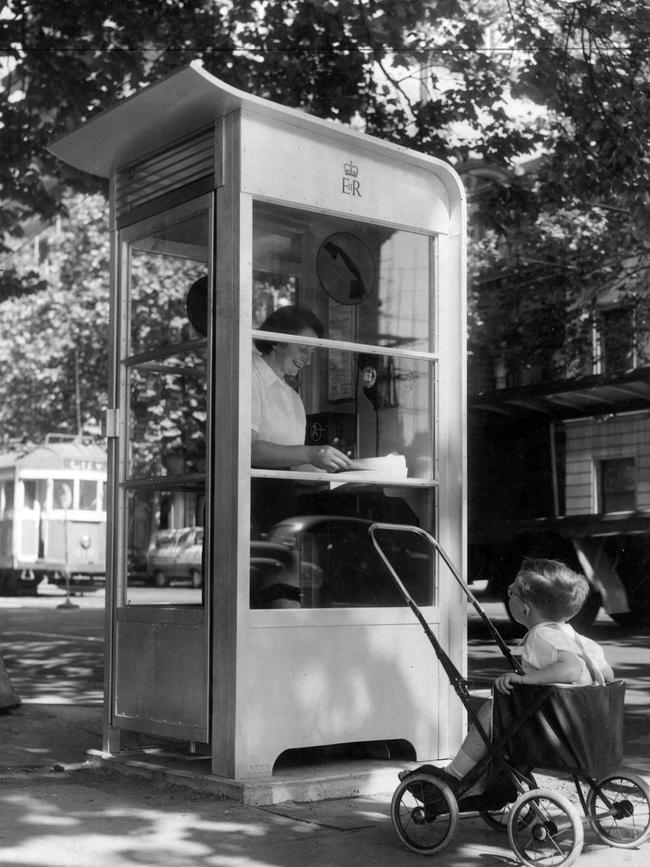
x=559 y=85
x=75 y=58
x=576 y=230
x=53 y=341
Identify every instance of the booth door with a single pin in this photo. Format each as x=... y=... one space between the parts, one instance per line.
x=160 y=607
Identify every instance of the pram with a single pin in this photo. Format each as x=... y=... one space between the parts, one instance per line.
x=575 y=733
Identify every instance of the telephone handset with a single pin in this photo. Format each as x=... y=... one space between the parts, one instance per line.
x=377 y=378
x=346 y=268
x=357 y=289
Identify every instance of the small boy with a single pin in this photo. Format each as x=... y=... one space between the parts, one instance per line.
x=543 y=596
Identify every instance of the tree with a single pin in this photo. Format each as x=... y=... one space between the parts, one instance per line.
x=576 y=229
x=70 y=60
x=53 y=340
x=501 y=82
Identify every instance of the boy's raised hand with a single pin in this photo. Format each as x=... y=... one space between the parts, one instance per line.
x=505 y=682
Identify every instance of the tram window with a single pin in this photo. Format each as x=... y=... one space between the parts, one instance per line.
x=63 y=493
x=35 y=491
x=88 y=494
x=6 y=499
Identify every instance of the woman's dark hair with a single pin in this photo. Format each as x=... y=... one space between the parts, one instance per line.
x=288 y=320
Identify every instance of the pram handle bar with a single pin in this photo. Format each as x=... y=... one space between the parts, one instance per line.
x=494 y=632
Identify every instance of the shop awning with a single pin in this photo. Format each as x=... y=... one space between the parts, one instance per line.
x=588 y=396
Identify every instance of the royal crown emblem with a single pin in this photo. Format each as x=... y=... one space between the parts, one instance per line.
x=350 y=169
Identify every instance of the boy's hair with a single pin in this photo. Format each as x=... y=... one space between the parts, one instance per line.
x=555 y=590
x=290 y=320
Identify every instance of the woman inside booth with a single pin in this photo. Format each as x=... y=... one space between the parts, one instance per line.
x=278 y=432
x=278 y=415
x=278 y=421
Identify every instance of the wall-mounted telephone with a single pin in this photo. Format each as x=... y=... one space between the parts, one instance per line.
x=377 y=378
x=337 y=429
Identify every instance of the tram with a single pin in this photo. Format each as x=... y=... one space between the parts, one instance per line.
x=52 y=517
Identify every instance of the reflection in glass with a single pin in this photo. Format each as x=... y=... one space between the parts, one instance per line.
x=165 y=543
x=163 y=267
x=376 y=280
x=167 y=416
x=383 y=406
x=310 y=546
x=165 y=405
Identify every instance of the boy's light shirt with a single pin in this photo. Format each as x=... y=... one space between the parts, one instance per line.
x=541 y=644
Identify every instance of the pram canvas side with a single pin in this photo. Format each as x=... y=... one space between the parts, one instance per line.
x=575 y=729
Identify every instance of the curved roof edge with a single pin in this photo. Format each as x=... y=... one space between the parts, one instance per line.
x=185 y=101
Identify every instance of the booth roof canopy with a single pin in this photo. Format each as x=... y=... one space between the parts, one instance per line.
x=184 y=102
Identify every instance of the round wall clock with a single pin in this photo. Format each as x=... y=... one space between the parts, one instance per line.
x=346 y=268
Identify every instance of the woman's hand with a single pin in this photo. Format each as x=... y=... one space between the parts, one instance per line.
x=505 y=682
x=328 y=458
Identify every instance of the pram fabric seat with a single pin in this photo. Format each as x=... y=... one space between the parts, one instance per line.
x=575 y=729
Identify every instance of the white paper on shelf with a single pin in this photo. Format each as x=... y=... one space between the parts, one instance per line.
x=389 y=467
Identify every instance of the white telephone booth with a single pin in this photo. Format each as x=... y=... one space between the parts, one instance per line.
x=247 y=612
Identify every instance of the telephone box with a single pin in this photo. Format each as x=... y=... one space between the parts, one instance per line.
x=247 y=612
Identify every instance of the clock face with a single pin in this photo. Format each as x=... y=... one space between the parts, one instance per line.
x=345 y=268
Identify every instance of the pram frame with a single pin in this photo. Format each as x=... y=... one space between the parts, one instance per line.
x=528 y=795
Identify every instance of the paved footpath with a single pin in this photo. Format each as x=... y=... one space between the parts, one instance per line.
x=57 y=810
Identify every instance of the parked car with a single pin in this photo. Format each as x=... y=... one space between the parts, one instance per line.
x=176 y=555
x=329 y=561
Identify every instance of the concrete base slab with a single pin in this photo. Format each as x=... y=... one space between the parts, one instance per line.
x=323 y=782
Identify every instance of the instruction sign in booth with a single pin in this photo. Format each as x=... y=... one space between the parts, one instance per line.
x=275 y=630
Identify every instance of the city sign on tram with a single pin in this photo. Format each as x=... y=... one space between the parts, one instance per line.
x=224 y=208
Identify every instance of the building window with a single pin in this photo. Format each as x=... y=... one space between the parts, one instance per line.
x=618 y=485
x=615 y=340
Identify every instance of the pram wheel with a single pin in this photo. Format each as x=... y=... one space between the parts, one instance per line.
x=618 y=810
x=424 y=813
x=544 y=828
x=498 y=819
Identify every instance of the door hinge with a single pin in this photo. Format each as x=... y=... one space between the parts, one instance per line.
x=111 y=423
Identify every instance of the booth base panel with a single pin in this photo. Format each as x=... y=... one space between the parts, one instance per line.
x=319 y=782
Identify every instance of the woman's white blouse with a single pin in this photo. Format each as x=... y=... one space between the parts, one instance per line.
x=277 y=412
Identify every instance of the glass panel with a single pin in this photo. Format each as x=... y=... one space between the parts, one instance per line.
x=165 y=408
x=314 y=550
x=88 y=495
x=164 y=266
x=364 y=284
x=63 y=494
x=167 y=416
x=367 y=406
x=35 y=493
x=370 y=283
x=8 y=499
x=618 y=485
x=617 y=339
x=165 y=547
